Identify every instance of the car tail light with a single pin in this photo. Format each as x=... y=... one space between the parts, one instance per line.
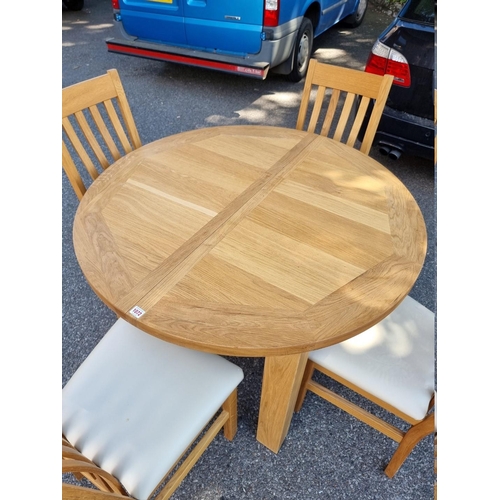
x=115 y=4
x=271 y=12
x=384 y=60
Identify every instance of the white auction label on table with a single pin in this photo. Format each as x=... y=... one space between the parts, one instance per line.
x=136 y=311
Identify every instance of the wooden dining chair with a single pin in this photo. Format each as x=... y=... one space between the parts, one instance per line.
x=98 y=128
x=346 y=98
x=390 y=364
x=140 y=411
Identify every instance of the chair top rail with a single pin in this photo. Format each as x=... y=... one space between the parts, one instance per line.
x=88 y=93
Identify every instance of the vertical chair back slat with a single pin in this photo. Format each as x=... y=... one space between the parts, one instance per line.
x=358 y=121
x=316 y=110
x=120 y=132
x=344 y=117
x=330 y=112
x=105 y=133
x=72 y=173
x=376 y=115
x=125 y=111
x=94 y=144
x=76 y=143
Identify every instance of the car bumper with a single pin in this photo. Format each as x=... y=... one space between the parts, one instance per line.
x=408 y=133
x=168 y=53
x=274 y=50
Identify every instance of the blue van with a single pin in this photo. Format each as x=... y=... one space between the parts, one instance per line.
x=248 y=37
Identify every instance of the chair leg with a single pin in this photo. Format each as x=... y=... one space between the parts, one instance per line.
x=411 y=438
x=231 y=406
x=308 y=373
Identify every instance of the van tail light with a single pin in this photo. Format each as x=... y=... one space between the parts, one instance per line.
x=115 y=4
x=271 y=12
x=384 y=60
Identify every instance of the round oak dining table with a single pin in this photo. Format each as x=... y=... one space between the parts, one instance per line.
x=251 y=241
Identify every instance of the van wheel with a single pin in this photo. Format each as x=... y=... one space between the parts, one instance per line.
x=355 y=20
x=302 y=51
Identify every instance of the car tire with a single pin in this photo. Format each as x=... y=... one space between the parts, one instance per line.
x=355 y=20
x=73 y=4
x=302 y=51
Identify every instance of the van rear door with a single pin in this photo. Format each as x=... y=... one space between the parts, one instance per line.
x=154 y=20
x=224 y=26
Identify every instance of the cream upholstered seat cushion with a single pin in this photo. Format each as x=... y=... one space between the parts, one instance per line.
x=393 y=360
x=137 y=402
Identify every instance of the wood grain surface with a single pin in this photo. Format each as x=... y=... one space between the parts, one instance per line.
x=250 y=240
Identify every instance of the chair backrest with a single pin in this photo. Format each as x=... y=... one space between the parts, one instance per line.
x=98 y=127
x=346 y=86
x=81 y=467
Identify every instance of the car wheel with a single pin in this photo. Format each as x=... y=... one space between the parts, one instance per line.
x=302 y=51
x=73 y=4
x=354 y=20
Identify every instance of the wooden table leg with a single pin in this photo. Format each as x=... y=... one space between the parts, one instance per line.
x=280 y=386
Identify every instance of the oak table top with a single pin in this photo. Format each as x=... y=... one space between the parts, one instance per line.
x=251 y=241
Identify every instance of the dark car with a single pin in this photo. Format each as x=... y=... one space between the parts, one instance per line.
x=73 y=4
x=407 y=50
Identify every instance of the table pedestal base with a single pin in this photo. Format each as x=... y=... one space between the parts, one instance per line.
x=280 y=387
